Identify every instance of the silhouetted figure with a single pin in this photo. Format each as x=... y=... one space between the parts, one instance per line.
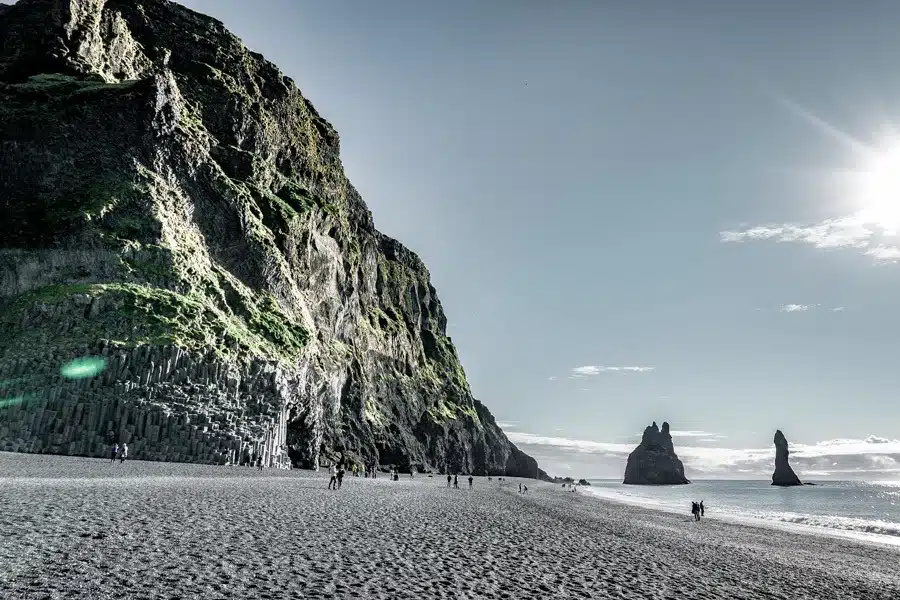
x=259 y=463
x=449 y=479
x=702 y=510
x=340 y=476
x=332 y=483
x=695 y=510
x=525 y=489
x=123 y=453
x=470 y=481
x=113 y=453
x=456 y=481
x=520 y=488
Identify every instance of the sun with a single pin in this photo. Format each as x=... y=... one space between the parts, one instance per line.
x=878 y=193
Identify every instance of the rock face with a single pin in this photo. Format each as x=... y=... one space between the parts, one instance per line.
x=784 y=475
x=654 y=461
x=172 y=203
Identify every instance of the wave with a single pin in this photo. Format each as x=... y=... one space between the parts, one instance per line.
x=870 y=529
x=842 y=523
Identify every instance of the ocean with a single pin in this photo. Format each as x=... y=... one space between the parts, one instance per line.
x=862 y=510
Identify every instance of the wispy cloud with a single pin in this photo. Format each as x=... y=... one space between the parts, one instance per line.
x=789 y=308
x=844 y=232
x=698 y=434
x=592 y=370
x=884 y=253
x=830 y=458
x=796 y=308
x=507 y=424
x=552 y=378
x=852 y=231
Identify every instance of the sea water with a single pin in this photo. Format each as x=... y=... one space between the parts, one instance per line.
x=862 y=510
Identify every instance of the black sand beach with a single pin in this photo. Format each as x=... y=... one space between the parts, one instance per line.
x=85 y=528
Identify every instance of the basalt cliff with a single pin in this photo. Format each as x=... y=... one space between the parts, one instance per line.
x=173 y=204
x=784 y=475
x=654 y=461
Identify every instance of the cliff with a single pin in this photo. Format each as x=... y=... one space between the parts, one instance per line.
x=654 y=461
x=784 y=475
x=173 y=204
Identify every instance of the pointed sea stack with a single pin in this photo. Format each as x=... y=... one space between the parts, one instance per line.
x=784 y=475
x=654 y=461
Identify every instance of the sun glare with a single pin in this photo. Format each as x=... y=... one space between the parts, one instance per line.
x=879 y=189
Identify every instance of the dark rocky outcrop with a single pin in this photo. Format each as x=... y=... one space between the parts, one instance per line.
x=654 y=461
x=584 y=482
x=173 y=203
x=784 y=475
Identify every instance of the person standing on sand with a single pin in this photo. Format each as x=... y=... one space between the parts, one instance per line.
x=702 y=510
x=114 y=452
x=456 y=481
x=259 y=462
x=449 y=479
x=520 y=487
x=333 y=481
x=123 y=453
x=525 y=489
x=340 y=476
x=470 y=481
x=695 y=510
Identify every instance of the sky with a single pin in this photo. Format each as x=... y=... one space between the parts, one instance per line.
x=634 y=211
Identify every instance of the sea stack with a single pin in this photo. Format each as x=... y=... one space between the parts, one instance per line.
x=784 y=475
x=654 y=461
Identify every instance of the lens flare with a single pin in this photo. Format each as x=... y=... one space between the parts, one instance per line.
x=83 y=368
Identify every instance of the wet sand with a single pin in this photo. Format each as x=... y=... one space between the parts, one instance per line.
x=85 y=528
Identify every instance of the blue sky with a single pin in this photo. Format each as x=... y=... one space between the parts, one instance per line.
x=598 y=185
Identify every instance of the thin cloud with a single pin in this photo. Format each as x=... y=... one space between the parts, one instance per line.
x=844 y=232
x=837 y=309
x=507 y=424
x=593 y=370
x=698 y=434
x=789 y=308
x=552 y=378
x=884 y=253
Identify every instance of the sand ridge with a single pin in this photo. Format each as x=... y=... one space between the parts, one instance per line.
x=85 y=528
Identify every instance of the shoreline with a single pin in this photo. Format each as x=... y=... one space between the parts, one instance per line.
x=79 y=528
x=863 y=537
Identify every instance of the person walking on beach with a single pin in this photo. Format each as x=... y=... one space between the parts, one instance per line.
x=259 y=462
x=333 y=481
x=520 y=487
x=449 y=478
x=525 y=489
x=113 y=453
x=695 y=510
x=456 y=481
x=702 y=510
x=123 y=453
x=470 y=481
x=340 y=476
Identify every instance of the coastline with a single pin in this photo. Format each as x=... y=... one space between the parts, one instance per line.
x=793 y=526
x=77 y=528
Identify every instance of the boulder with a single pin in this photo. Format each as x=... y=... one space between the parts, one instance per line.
x=654 y=461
